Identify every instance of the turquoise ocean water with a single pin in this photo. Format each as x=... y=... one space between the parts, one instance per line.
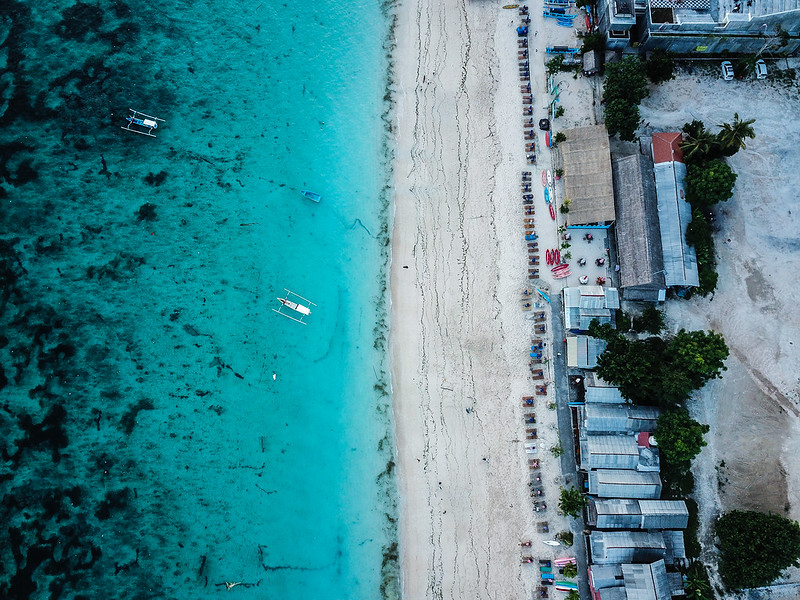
x=162 y=430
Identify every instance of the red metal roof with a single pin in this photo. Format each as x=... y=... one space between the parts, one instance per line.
x=666 y=147
x=643 y=440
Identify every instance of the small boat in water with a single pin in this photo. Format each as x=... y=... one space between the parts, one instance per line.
x=313 y=196
x=295 y=302
x=140 y=123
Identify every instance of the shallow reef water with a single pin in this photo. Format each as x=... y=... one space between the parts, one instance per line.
x=164 y=433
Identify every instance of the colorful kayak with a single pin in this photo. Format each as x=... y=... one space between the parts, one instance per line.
x=547 y=195
x=549 y=177
x=562 y=274
x=511 y=6
x=547 y=257
x=552 y=212
x=547 y=138
x=558 y=255
x=559 y=268
x=544 y=178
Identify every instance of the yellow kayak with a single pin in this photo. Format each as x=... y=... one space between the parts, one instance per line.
x=511 y=6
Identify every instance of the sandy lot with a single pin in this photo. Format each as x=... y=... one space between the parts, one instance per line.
x=751 y=461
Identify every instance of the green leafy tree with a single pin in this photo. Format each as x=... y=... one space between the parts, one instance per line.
x=626 y=80
x=593 y=41
x=604 y=331
x=570 y=571
x=709 y=183
x=699 y=354
x=699 y=235
x=625 y=86
x=571 y=502
x=554 y=65
x=634 y=367
x=651 y=320
x=755 y=548
x=573 y=595
x=732 y=136
x=660 y=372
x=680 y=438
x=622 y=118
x=660 y=67
x=694 y=128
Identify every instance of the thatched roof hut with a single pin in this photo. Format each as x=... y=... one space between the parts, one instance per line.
x=587 y=176
x=639 y=251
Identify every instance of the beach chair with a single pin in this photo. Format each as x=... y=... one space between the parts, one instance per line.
x=533 y=463
x=534 y=260
x=527 y=402
x=541 y=592
x=543 y=527
x=530 y=418
x=530 y=236
x=537 y=373
x=541 y=328
x=531 y=434
x=541 y=390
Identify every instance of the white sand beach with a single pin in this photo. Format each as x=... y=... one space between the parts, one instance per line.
x=459 y=338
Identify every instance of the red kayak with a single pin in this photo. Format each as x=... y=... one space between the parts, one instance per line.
x=552 y=212
x=559 y=268
x=547 y=256
x=544 y=178
x=557 y=258
x=547 y=138
x=562 y=274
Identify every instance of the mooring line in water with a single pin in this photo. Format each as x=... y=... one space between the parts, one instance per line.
x=358 y=222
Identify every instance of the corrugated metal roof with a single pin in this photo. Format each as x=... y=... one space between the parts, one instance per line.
x=617 y=513
x=612 y=298
x=675 y=544
x=606 y=576
x=647 y=581
x=620 y=418
x=585 y=303
x=603 y=395
x=583 y=350
x=664 y=514
x=619 y=483
x=674 y=216
x=620 y=513
x=613 y=593
x=626 y=546
x=587 y=175
x=609 y=452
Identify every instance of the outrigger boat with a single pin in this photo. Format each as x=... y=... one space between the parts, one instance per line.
x=138 y=121
x=302 y=306
x=313 y=196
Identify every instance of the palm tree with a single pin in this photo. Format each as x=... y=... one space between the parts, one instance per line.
x=701 y=146
x=732 y=135
x=696 y=583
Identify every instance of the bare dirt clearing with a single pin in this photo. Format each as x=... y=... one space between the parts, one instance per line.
x=752 y=461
